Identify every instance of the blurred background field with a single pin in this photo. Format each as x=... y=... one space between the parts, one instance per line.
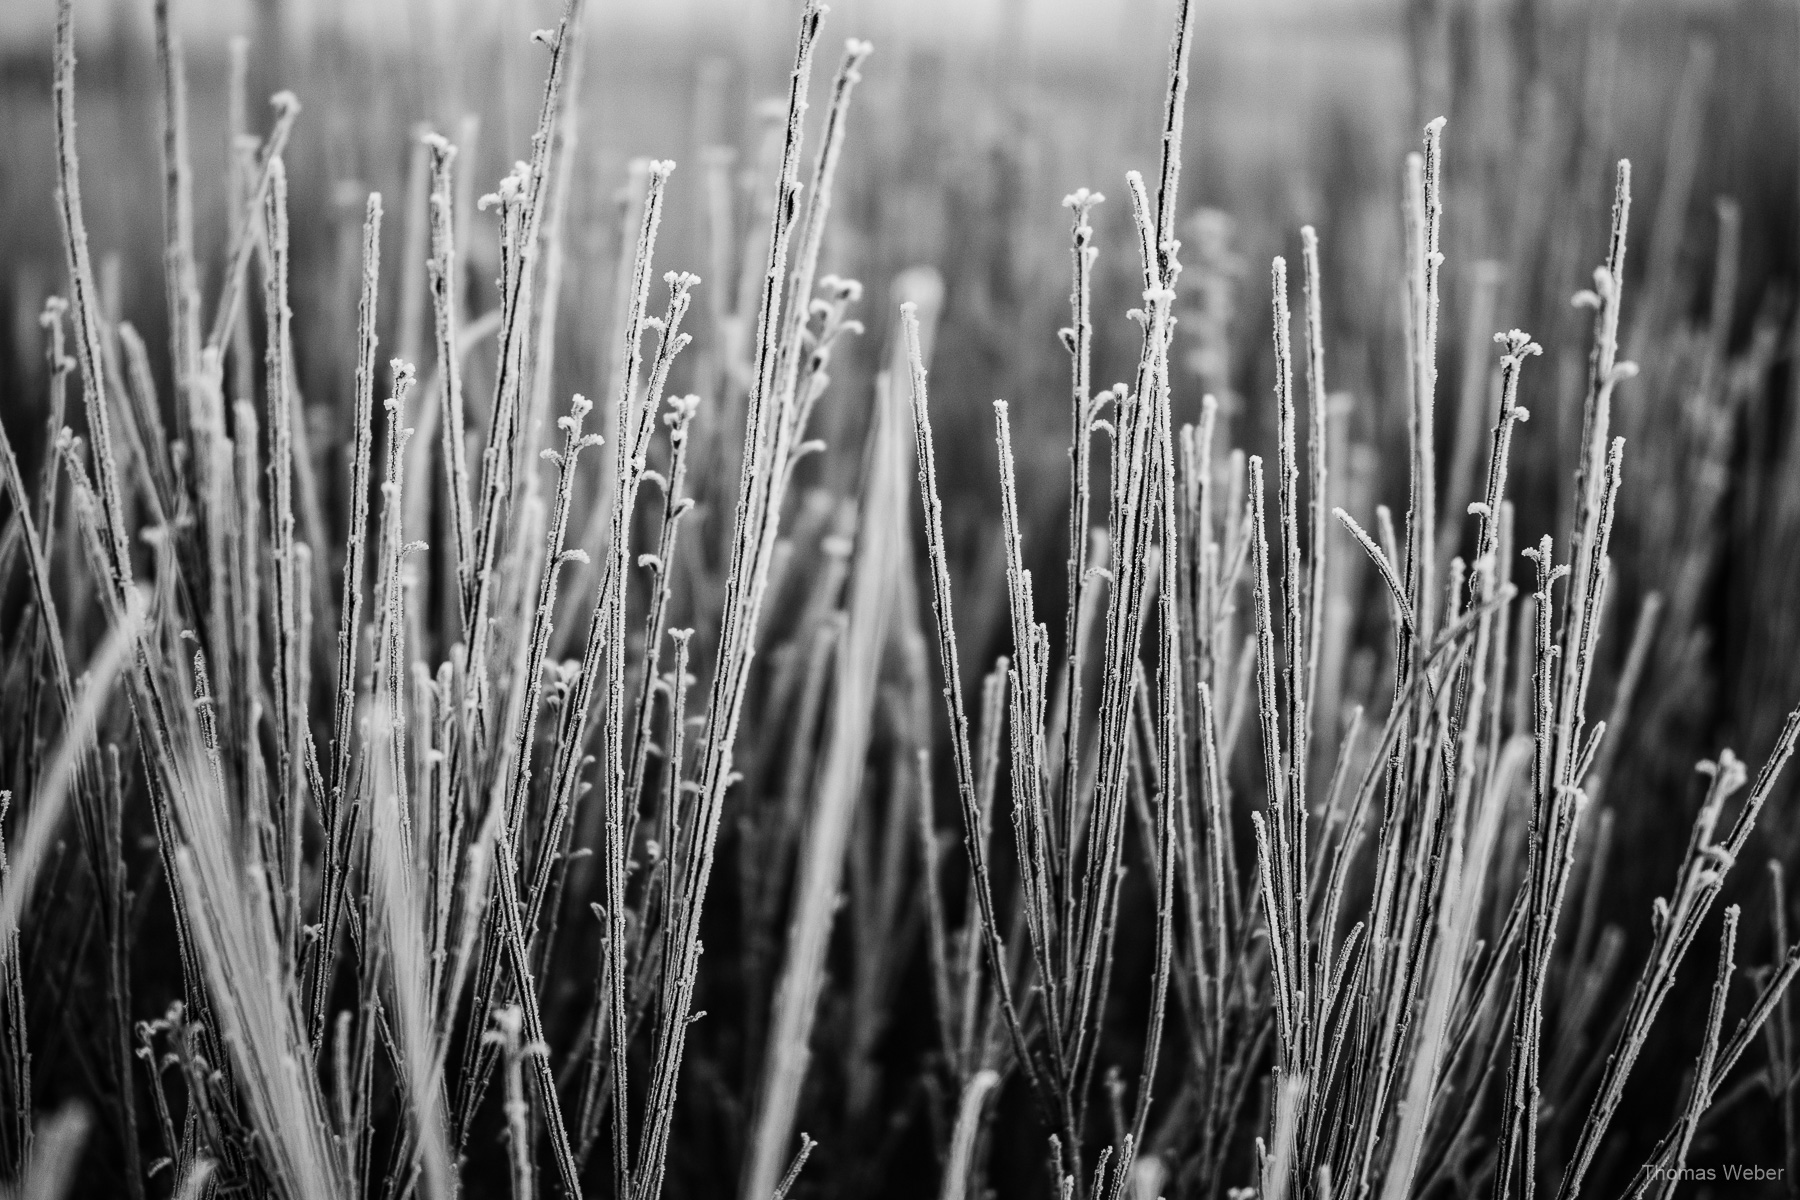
x=974 y=121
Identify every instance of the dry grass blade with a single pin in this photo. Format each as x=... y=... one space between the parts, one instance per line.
x=33 y=846
x=792 y=1176
x=256 y=1004
x=246 y=239
x=56 y=1156
x=350 y=624
x=401 y=923
x=522 y=201
x=1700 y=1095
x=969 y=1113
x=882 y=532
x=85 y=303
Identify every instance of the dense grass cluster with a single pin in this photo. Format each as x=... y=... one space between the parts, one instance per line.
x=475 y=788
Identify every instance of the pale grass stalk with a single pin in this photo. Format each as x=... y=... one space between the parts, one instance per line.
x=1131 y=518
x=1701 y=1093
x=1030 y=835
x=390 y=622
x=180 y=280
x=196 y=1180
x=1282 y=893
x=1174 y=115
x=37 y=570
x=550 y=250
x=1221 y=873
x=676 y=504
x=667 y=885
x=1403 y=613
x=443 y=272
x=757 y=511
x=514 y=1050
x=1464 y=878
x=565 y=460
x=249 y=230
x=769 y=852
x=881 y=534
x=232 y=489
x=969 y=1115
x=89 y=352
x=131 y=394
x=983 y=1020
x=1631 y=676
x=409 y=342
x=335 y=801
x=145 y=425
x=792 y=1176
x=976 y=798
x=36 y=841
x=1488 y=510
x=1318 y=406
x=522 y=202
x=415 y=249
x=446 y=822
x=635 y=422
x=1171 y=762
x=629 y=202
x=1592 y=493
x=937 y=942
x=797 y=388
x=402 y=927
x=1463 y=890
x=1425 y=210
x=1289 y=802
x=253 y=999
x=752 y=549
x=55 y=1159
x=58 y=367
x=1195 y=983
x=1078 y=339
x=356 y=538
x=288 y=649
x=509 y=931
x=241 y=148
x=427 y=465
x=1278 y=1162
x=472 y=920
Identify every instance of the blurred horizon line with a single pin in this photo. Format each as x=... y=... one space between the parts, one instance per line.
x=1045 y=25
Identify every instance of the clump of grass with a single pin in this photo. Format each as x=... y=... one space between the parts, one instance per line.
x=396 y=862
